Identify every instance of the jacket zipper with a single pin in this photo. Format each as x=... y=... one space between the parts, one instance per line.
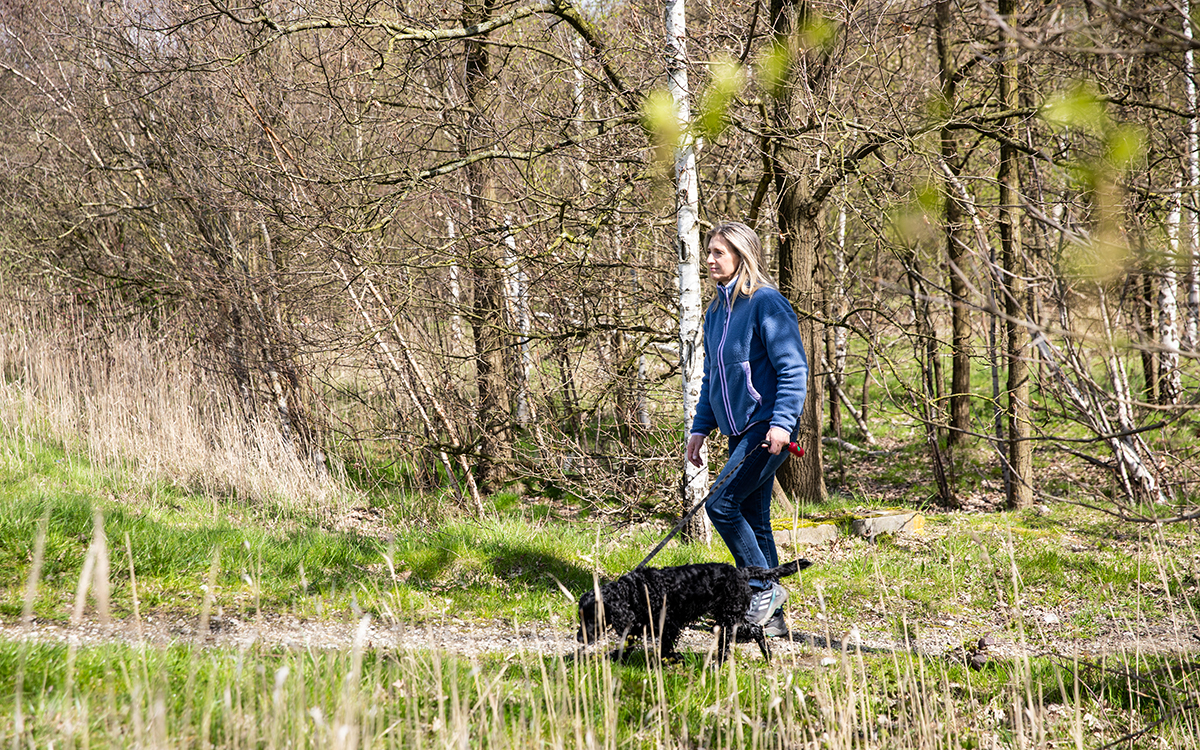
x=721 y=362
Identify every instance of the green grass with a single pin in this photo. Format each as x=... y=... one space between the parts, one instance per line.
x=121 y=695
x=282 y=558
x=499 y=568
x=509 y=565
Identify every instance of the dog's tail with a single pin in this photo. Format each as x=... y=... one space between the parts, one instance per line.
x=774 y=574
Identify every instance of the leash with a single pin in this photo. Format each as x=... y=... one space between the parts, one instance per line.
x=792 y=448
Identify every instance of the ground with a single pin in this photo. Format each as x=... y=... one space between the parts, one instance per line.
x=978 y=635
x=813 y=637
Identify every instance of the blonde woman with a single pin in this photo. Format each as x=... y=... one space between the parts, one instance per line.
x=755 y=383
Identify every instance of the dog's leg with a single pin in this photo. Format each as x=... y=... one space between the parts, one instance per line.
x=670 y=634
x=761 y=639
x=726 y=634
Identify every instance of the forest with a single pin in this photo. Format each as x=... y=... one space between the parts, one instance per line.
x=347 y=345
x=456 y=245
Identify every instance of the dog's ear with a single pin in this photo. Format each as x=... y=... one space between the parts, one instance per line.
x=562 y=588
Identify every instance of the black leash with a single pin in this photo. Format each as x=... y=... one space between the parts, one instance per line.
x=792 y=448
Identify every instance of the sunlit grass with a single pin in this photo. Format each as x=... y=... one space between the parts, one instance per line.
x=257 y=696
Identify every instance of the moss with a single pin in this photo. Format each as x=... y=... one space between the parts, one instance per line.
x=786 y=524
x=842 y=520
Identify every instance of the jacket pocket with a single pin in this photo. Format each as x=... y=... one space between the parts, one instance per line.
x=750 y=384
x=740 y=396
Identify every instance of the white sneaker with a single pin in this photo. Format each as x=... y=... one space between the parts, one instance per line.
x=764 y=603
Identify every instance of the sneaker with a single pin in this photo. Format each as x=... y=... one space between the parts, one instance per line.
x=776 y=627
x=764 y=603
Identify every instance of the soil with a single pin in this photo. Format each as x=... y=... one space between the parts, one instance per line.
x=977 y=640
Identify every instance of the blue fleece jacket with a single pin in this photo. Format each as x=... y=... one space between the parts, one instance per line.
x=754 y=364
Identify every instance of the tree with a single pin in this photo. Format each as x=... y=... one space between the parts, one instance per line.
x=436 y=239
x=956 y=246
x=1019 y=485
x=687 y=251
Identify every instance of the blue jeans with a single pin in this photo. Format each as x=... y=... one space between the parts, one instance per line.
x=740 y=509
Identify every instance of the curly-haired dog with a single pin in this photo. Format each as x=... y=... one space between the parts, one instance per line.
x=661 y=601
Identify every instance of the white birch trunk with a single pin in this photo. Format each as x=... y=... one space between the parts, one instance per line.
x=577 y=100
x=1170 y=379
x=515 y=292
x=1128 y=446
x=456 y=329
x=687 y=246
x=837 y=373
x=1191 y=326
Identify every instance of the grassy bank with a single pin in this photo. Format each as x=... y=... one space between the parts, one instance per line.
x=1061 y=587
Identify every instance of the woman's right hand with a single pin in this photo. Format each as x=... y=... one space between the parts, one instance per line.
x=694 y=444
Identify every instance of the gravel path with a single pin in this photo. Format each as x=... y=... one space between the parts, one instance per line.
x=979 y=640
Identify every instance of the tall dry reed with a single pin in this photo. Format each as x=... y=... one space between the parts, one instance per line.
x=139 y=399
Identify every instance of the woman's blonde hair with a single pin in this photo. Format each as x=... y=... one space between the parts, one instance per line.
x=750 y=276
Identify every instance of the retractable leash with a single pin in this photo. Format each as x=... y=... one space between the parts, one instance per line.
x=792 y=448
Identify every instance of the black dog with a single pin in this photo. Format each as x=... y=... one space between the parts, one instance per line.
x=663 y=600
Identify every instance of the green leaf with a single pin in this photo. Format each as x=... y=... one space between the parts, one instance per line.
x=661 y=123
x=771 y=70
x=1078 y=107
x=726 y=81
x=1125 y=145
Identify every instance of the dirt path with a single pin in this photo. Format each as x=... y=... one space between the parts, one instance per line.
x=978 y=640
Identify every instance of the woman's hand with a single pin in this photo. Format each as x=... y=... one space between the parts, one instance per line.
x=694 y=444
x=777 y=439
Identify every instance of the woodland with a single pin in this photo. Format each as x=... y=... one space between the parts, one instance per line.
x=455 y=245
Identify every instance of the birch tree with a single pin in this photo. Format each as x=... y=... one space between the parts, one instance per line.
x=687 y=252
x=1191 y=324
x=1170 y=382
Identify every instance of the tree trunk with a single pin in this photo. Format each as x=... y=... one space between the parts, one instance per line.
x=517 y=303
x=799 y=266
x=1191 y=325
x=931 y=397
x=799 y=218
x=836 y=336
x=1019 y=492
x=495 y=444
x=1169 y=377
x=1134 y=460
x=1147 y=330
x=687 y=253
x=960 y=343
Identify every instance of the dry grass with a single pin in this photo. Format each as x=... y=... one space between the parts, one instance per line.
x=144 y=403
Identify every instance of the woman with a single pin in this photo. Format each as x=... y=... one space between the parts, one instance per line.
x=755 y=381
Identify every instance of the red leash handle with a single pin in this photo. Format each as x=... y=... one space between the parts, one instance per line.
x=792 y=448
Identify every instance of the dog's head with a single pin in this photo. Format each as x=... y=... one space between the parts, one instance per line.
x=591 y=616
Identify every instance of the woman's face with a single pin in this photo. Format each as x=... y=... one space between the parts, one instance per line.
x=722 y=261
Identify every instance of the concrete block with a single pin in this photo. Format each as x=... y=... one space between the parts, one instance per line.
x=806 y=534
x=887 y=522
